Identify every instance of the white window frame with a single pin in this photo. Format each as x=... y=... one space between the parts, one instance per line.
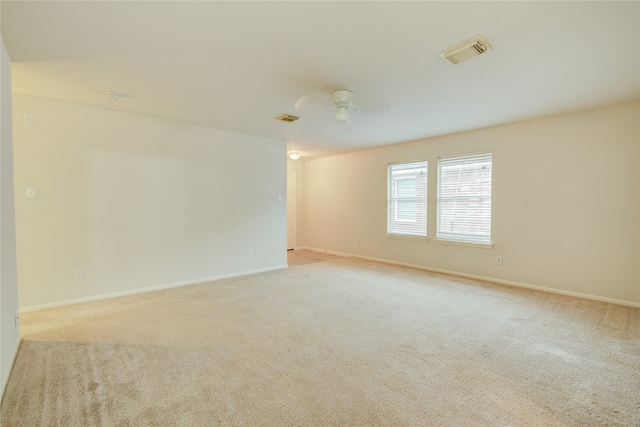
x=464 y=200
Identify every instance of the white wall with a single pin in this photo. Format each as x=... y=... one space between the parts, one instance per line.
x=139 y=202
x=9 y=333
x=566 y=199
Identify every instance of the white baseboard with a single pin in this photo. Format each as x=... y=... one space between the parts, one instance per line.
x=5 y=380
x=147 y=289
x=488 y=279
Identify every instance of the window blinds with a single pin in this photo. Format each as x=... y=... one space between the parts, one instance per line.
x=464 y=198
x=407 y=199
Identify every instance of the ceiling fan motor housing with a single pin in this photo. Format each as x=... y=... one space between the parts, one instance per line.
x=342 y=98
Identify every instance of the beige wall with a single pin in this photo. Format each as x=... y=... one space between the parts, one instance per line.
x=297 y=167
x=565 y=212
x=9 y=333
x=139 y=202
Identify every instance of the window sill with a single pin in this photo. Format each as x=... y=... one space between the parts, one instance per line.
x=472 y=245
x=403 y=237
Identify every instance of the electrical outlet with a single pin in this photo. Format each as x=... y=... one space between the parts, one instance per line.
x=31 y=192
x=499 y=260
x=77 y=273
x=257 y=252
x=358 y=242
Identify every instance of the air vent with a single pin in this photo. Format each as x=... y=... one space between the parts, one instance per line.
x=475 y=47
x=287 y=118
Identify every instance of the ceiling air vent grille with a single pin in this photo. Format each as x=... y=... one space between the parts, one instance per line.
x=288 y=118
x=475 y=47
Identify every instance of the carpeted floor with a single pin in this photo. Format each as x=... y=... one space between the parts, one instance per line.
x=302 y=257
x=340 y=342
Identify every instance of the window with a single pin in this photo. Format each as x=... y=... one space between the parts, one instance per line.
x=407 y=199
x=464 y=198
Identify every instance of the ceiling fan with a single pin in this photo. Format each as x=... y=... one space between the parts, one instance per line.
x=343 y=100
x=319 y=102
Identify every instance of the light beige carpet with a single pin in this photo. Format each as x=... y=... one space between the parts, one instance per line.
x=302 y=257
x=343 y=342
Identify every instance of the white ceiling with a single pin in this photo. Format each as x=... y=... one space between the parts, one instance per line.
x=238 y=65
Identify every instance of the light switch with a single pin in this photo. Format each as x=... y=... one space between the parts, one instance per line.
x=279 y=197
x=31 y=192
x=29 y=119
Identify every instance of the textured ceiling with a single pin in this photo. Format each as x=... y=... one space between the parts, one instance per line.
x=238 y=65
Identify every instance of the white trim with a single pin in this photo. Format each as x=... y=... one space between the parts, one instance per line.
x=423 y=239
x=465 y=155
x=147 y=289
x=469 y=244
x=403 y=162
x=8 y=373
x=487 y=279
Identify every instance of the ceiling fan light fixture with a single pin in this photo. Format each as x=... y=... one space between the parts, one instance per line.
x=342 y=116
x=294 y=156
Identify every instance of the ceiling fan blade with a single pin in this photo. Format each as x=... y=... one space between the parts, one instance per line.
x=319 y=107
x=354 y=109
x=315 y=102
